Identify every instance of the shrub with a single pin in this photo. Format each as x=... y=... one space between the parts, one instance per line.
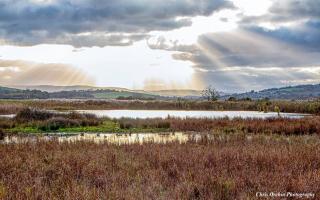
x=232 y=99
x=163 y=124
x=125 y=125
x=84 y=119
x=57 y=123
x=6 y=123
x=1 y=134
x=29 y=114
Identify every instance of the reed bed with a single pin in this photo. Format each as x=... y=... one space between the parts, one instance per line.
x=283 y=126
x=34 y=120
x=311 y=107
x=230 y=168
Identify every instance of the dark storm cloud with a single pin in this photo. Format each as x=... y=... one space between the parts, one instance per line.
x=23 y=21
x=253 y=58
x=287 y=11
x=256 y=48
x=239 y=60
x=296 y=8
x=306 y=35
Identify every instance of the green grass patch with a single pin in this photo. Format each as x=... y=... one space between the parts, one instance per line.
x=105 y=127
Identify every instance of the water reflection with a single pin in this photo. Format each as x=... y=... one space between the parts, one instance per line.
x=134 y=138
x=129 y=138
x=7 y=116
x=143 y=114
x=160 y=138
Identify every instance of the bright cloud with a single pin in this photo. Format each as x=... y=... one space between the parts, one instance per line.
x=234 y=45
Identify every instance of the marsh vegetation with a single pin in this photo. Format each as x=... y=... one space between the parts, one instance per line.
x=234 y=158
x=265 y=105
x=39 y=121
x=232 y=167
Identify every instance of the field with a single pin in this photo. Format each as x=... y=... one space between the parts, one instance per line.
x=230 y=167
x=241 y=158
x=311 y=107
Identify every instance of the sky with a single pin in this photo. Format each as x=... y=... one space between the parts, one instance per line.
x=232 y=45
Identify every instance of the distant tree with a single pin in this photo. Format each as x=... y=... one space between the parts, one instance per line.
x=277 y=110
x=1 y=134
x=246 y=99
x=210 y=93
x=232 y=99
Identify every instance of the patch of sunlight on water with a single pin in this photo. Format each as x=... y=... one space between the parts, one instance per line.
x=8 y=116
x=113 y=138
x=128 y=138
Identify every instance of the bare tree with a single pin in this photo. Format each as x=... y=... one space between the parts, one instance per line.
x=210 y=93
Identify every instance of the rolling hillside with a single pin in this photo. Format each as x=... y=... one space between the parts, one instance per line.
x=54 y=88
x=300 y=92
x=13 y=93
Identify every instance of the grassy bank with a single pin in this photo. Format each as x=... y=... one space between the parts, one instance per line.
x=13 y=106
x=233 y=168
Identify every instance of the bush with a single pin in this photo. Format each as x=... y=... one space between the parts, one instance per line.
x=125 y=125
x=232 y=99
x=1 y=134
x=84 y=119
x=57 y=123
x=164 y=124
x=29 y=114
x=6 y=123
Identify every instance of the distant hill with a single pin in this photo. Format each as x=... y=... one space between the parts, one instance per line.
x=4 y=90
x=302 y=92
x=53 y=88
x=177 y=93
x=125 y=92
x=13 y=93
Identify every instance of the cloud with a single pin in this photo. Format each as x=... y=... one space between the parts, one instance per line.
x=251 y=47
x=18 y=72
x=82 y=40
x=305 y=35
x=284 y=11
x=296 y=9
x=28 y=22
x=243 y=79
x=251 y=58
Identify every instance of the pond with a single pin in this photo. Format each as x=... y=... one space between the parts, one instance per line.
x=143 y=114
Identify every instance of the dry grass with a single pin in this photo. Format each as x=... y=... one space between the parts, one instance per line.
x=13 y=106
x=9 y=107
x=229 y=168
x=303 y=126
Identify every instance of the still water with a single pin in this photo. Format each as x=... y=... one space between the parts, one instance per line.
x=143 y=114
